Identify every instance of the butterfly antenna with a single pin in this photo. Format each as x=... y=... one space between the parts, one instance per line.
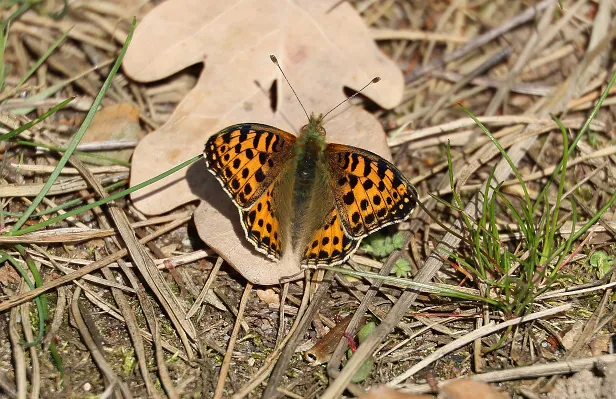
x=275 y=61
x=374 y=80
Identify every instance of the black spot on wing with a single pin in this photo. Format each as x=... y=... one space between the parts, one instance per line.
x=245 y=129
x=354 y=161
x=259 y=176
x=353 y=180
x=263 y=157
x=349 y=198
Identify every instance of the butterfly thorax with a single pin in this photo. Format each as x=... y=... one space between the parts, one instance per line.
x=305 y=181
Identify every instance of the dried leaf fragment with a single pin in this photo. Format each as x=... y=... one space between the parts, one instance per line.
x=465 y=388
x=383 y=392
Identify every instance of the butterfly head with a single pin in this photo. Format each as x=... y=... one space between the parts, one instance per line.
x=314 y=127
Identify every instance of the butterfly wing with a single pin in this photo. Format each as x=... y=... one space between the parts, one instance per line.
x=370 y=193
x=247 y=158
x=262 y=227
x=330 y=245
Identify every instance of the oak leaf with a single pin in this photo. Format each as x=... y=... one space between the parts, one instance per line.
x=322 y=45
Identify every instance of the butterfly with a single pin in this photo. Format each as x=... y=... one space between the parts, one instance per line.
x=304 y=198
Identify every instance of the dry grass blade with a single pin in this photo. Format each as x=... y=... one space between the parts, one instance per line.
x=594 y=323
x=86 y=269
x=18 y=355
x=226 y=361
x=67 y=235
x=397 y=34
x=58 y=317
x=528 y=14
x=291 y=344
x=133 y=330
x=145 y=265
x=500 y=120
x=65 y=270
x=69 y=171
x=334 y=363
x=206 y=287
x=99 y=359
x=69 y=185
x=35 y=369
x=139 y=349
x=270 y=363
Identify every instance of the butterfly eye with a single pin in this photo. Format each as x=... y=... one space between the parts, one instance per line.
x=322 y=131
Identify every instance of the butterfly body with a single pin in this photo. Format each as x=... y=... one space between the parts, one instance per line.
x=301 y=198
x=305 y=181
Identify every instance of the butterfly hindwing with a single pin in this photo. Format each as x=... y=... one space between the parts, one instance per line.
x=330 y=245
x=247 y=158
x=370 y=193
x=261 y=225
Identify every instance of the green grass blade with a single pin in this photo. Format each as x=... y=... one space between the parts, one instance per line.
x=4 y=35
x=503 y=153
x=60 y=14
x=551 y=231
x=586 y=226
x=22 y=9
x=41 y=305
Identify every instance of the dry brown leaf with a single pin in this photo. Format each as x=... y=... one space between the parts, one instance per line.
x=268 y=296
x=600 y=345
x=322 y=45
x=9 y=276
x=573 y=334
x=466 y=388
x=383 y=392
x=115 y=122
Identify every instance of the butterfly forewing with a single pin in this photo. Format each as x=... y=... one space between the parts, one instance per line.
x=370 y=193
x=330 y=245
x=246 y=158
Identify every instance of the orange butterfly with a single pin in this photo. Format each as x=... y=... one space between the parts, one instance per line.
x=302 y=197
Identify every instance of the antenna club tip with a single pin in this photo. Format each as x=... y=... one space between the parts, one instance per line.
x=274 y=59
x=376 y=79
